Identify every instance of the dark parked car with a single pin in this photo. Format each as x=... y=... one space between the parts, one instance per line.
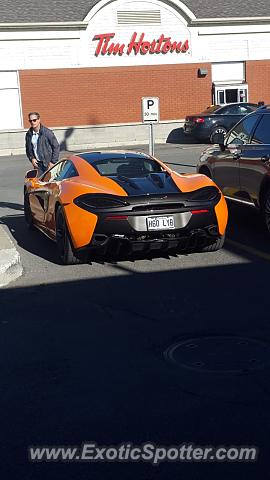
x=216 y=119
x=240 y=163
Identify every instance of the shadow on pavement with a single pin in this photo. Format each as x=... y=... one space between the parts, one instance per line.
x=177 y=135
x=32 y=241
x=83 y=361
x=11 y=205
x=246 y=226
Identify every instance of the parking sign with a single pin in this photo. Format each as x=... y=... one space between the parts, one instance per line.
x=150 y=109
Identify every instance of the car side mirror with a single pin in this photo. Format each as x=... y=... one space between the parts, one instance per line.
x=235 y=149
x=32 y=174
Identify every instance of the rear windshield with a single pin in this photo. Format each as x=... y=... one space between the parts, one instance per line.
x=126 y=167
x=212 y=109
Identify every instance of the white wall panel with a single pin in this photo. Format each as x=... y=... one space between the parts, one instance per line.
x=10 y=115
x=230 y=47
x=222 y=72
x=50 y=53
x=259 y=46
x=217 y=48
x=8 y=80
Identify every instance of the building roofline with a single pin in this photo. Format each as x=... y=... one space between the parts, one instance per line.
x=78 y=25
x=229 y=21
x=83 y=24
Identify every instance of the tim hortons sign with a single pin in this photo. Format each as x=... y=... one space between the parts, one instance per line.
x=138 y=45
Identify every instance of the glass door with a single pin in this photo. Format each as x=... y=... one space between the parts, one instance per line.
x=242 y=94
x=220 y=97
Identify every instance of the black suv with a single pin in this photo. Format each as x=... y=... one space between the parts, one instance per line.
x=240 y=162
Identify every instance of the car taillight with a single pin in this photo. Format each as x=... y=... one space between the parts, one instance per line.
x=99 y=201
x=116 y=217
x=196 y=212
x=198 y=120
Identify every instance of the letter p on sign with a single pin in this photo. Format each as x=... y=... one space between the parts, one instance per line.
x=150 y=109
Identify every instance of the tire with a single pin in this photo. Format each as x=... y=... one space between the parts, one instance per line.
x=64 y=247
x=27 y=212
x=214 y=246
x=266 y=211
x=217 y=130
x=205 y=171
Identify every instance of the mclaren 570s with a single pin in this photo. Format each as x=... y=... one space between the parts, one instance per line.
x=119 y=203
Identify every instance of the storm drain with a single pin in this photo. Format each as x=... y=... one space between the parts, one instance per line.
x=220 y=354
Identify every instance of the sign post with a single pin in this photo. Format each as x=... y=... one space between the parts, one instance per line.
x=150 y=115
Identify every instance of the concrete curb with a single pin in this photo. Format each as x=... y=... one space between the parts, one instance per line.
x=10 y=261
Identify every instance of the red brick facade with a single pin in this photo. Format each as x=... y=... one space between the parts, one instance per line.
x=91 y=96
x=258 y=79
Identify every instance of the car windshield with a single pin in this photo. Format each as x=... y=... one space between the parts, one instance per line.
x=126 y=167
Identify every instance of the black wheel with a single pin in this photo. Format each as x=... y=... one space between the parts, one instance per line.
x=27 y=212
x=222 y=130
x=266 y=211
x=205 y=171
x=214 y=246
x=63 y=242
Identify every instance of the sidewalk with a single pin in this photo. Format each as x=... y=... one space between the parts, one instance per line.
x=10 y=262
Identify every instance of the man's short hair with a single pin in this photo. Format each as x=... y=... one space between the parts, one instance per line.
x=34 y=113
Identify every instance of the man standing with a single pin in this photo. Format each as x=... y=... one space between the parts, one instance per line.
x=41 y=145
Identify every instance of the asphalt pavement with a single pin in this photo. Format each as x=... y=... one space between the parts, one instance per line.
x=167 y=350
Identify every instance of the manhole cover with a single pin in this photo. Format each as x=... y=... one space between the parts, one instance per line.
x=225 y=354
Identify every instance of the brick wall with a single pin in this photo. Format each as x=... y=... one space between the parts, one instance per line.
x=258 y=79
x=89 y=96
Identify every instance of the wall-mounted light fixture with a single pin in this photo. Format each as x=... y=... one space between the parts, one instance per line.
x=202 y=72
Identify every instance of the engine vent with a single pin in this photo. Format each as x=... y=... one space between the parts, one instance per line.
x=144 y=17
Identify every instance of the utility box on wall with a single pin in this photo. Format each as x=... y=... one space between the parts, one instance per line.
x=202 y=72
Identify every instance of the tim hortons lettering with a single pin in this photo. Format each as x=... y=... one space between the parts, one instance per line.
x=162 y=45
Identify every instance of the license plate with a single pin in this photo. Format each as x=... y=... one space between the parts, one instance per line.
x=160 y=223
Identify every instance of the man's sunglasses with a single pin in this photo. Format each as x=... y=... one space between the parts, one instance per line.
x=33 y=120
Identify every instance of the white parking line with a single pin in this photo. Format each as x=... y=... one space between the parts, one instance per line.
x=194 y=146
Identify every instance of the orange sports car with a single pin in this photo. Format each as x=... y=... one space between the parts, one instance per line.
x=116 y=202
